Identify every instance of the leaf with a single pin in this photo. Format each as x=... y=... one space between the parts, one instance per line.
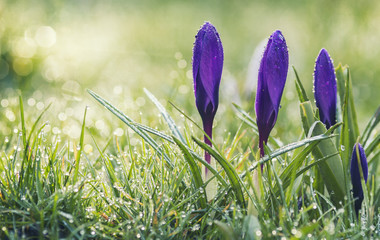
x=227 y=231
x=77 y=158
x=350 y=129
x=194 y=170
x=300 y=89
x=251 y=224
x=130 y=123
x=286 y=149
x=22 y=120
x=166 y=116
x=234 y=178
x=341 y=73
x=332 y=171
x=372 y=145
x=375 y=119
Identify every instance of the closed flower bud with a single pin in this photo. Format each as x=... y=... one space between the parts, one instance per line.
x=325 y=88
x=357 y=189
x=271 y=81
x=207 y=72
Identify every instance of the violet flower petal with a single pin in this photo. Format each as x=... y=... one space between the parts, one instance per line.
x=207 y=70
x=325 y=88
x=271 y=81
x=357 y=189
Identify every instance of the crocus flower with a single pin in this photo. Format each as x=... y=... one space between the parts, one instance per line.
x=357 y=189
x=325 y=88
x=270 y=85
x=207 y=72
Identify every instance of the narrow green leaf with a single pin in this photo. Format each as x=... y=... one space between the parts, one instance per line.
x=350 y=129
x=372 y=145
x=234 y=178
x=130 y=123
x=307 y=116
x=287 y=181
x=77 y=158
x=166 y=116
x=375 y=119
x=22 y=120
x=26 y=147
x=228 y=232
x=332 y=171
x=286 y=149
x=300 y=89
x=197 y=178
x=341 y=73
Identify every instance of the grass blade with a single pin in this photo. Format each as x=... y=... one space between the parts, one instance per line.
x=194 y=170
x=228 y=168
x=166 y=116
x=130 y=123
x=79 y=153
x=375 y=119
x=350 y=129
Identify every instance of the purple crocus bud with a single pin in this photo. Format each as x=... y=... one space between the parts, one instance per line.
x=325 y=88
x=207 y=72
x=357 y=189
x=270 y=85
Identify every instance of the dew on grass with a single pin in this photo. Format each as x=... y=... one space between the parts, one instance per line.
x=196 y=227
x=4 y=103
x=258 y=233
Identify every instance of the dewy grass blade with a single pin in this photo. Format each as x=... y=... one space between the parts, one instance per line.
x=300 y=89
x=79 y=153
x=130 y=123
x=26 y=145
x=334 y=175
x=234 y=178
x=197 y=178
x=285 y=149
x=375 y=119
x=166 y=116
x=350 y=129
x=22 y=120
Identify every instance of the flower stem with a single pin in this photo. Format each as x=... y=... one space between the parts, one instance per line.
x=262 y=153
x=207 y=127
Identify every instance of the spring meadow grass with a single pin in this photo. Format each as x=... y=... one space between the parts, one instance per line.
x=102 y=143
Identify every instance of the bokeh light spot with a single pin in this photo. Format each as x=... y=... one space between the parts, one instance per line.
x=22 y=66
x=45 y=36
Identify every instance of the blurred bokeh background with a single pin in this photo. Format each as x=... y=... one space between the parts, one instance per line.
x=53 y=50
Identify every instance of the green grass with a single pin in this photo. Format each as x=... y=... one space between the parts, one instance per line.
x=53 y=187
x=124 y=160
